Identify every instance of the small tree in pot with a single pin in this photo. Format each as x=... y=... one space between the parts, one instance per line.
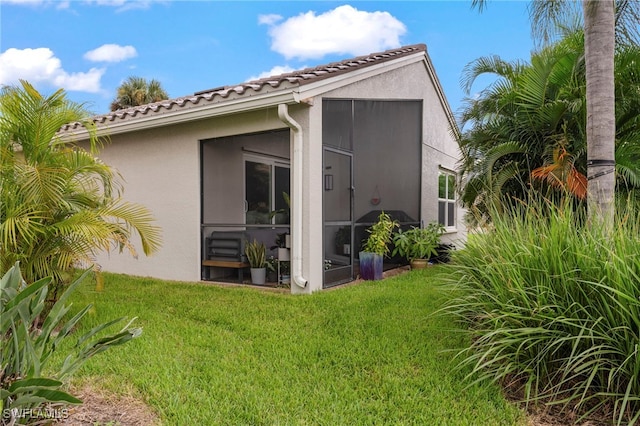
x=257 y=256
x=417 y=245
x=376 y=247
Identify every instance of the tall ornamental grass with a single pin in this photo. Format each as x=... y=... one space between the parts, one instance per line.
x=553 y=308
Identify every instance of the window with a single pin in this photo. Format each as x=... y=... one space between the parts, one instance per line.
x=447 y=198
x=266 y=183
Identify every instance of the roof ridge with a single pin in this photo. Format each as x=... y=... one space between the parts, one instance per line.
x=295 y=78
x=389 y=53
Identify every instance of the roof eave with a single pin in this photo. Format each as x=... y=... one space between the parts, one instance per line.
x=212 y=109
x=441 y=96
x=319 y=87
x=330 y=83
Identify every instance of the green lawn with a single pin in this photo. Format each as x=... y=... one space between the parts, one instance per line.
x=371 y=353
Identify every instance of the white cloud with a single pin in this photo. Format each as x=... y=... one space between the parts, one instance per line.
x=124 y=5
x=269 y=19
x=22 y=1
x=59 y=4
x=116 y=3
x=120 y=5
x=343 y=30
x=277 y=70
x=41 y=66
x=111 y=53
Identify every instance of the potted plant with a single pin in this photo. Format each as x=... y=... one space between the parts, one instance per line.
x=376 y=247
x=285 y=274
x=282 y=246
x=272 y=269
x=256 y=254
x=417 y=245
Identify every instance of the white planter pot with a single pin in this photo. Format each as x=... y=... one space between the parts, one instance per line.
x=284 y=254
x=258 y=275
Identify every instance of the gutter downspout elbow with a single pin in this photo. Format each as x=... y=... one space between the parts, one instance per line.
x=296 y=199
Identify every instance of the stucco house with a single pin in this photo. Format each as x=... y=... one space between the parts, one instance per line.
x=343 y=141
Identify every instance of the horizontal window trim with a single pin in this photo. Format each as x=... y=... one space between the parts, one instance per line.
x=447 y=170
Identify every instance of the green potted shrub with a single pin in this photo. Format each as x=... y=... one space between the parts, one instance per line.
x=256 y=254
x=376 y=246
x=282 y=246
x=417 y=245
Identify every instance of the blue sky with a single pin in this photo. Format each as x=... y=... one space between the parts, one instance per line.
x=88 y=47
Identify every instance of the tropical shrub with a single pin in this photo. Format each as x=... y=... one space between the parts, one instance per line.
x=380 y=235
x=26 y=395
x=418 y=243
x=527 y=129
x=552 y=306
x=59 y=203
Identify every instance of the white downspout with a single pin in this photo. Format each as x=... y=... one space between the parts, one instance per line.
x=296 y=198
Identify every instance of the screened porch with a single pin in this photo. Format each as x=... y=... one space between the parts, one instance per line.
x=245 y=197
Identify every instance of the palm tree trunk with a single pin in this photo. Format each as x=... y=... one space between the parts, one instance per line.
x=599 y=35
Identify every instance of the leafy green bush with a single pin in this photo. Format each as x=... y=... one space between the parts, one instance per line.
x=553 y=305
x=25 y=348
x=380 y=235
x=418 y=243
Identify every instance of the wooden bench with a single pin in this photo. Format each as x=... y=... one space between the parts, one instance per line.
x=225 y=250
x=225 y=264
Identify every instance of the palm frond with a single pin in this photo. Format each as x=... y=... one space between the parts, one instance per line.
x=60 y=204
x=487 y=65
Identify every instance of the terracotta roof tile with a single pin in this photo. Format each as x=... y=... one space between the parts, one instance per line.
x=296 y=78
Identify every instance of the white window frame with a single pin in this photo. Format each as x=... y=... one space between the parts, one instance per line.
x=449 y=227
x=272 y=163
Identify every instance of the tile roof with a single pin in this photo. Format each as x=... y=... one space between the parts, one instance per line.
x=282 y=81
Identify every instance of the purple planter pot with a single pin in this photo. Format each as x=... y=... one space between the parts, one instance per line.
x=370 y=266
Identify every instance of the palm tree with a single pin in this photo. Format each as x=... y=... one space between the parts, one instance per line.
x=599 y=45
x=59 y=203
x=602 y=24
x=137 y=91
x=527 y=130
x=517 y=124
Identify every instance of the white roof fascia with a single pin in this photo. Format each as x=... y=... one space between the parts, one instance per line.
x=187 y=114
x=331 y=83
x=441 y=96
